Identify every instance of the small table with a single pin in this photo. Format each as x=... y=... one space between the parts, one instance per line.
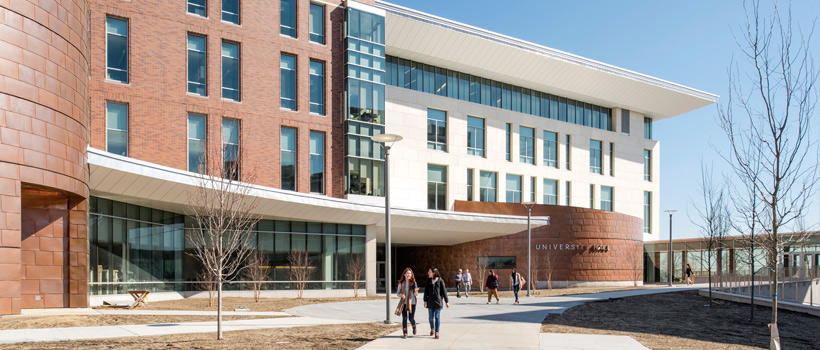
x=139 y=298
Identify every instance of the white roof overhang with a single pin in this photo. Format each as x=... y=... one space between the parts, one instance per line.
x=160 y=187
x=426 y=38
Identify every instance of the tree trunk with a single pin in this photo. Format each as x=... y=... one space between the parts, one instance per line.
x=219 y=307
x=710 y=281
x=773 y=289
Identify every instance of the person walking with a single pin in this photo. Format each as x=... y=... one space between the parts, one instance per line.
x=467 y=281
x=517 y=282
x=434 y=292
x=689 y=274
x=407 y=291
x=458 y=283
x=492 y=287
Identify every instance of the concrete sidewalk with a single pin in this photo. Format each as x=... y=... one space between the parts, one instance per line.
x=83 y=333
x=470 y=323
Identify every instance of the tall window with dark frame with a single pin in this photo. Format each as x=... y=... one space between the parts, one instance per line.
x=611 y=159
x=198 y=7
x=488 y=186
x=317 y=162
x=513 y=189
x=230 y=149
x=287 y=18
x=607 y=197
x=287 y=158
x=568 y=193
x=116 y=128
x=197 y=142
x=508 y=143
x=230 y=70
x=591 y=196
x=647 y=165
x=647 y=212
x=470 y=188
x=532 y=189
x=550 y=191
x=116 y=46
x=647 y=128
x=317 y=87
x=436 y=187
x=197 y=65
x=526 y=137
x=317 y=23
x=568 y=153
x=475 y=136
x=595 y=154
x=230 y=11
x=550 y=149
x=436 y=129
x=287 y=77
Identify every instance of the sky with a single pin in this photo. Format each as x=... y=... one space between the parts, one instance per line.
x=686 y=42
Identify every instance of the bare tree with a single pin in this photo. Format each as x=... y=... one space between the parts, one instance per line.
x=299 y=272
x=536 y=266
x=635 y=261
x=256 y=271
x=481 y=266
x=355 y=270
x=775 y=100
x=548 y=267
x=713 y=218
x=222 y=207
x=207 y=282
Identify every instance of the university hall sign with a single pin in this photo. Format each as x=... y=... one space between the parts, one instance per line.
x=573 y=246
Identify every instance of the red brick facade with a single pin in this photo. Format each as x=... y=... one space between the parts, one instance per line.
x=588 y=245
x=43 y=140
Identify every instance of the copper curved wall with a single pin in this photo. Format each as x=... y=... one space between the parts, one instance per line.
x=43 y=141
x=588 y=245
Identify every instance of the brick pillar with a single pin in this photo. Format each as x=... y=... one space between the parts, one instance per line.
x=9 y=240
x=78 y=253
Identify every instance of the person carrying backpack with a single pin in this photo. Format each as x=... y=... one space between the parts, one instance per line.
x=492 y=287
x=434 y=292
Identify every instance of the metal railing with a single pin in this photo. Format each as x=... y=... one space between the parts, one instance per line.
x=794 y=284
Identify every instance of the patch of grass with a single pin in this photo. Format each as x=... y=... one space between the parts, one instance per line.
x=18 y=322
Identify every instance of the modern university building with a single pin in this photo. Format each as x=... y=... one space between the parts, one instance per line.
x=109 y=107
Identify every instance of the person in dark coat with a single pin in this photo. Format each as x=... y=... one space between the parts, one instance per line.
x=435 y=297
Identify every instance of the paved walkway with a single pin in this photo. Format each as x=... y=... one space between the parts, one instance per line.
x=471 y=324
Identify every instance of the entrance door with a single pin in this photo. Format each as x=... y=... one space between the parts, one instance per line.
x=380 y=280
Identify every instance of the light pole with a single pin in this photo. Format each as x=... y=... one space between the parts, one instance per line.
x=387 y=141
x=669 y=256
x=529 y=206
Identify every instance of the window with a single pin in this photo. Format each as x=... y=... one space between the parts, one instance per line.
x=198 y=7
x=487 y=186
x=287 y=76
x=550 y=192
x=317 y=23
x=567 y=193
x=513 y=188
x=197 y=126
x=469 y=184
x=625 y=121
x=436 y=187
x=611 y=159
x=288 y=158
x=317 y=87
x=647 y=165
x=606 y=198
x=567 y=150
x=550 y=149
x=436 y=130
x=197 y=65
x=497 y=262
x=317 y=162
x=647 y=128
x=591 y=196
x=230 y=11
x=527 y=145
x=287 y=18
x=595 y=156
x=509 y=141
x=532 y=189
x=116 y=49
x=647 y=212
x=475 y=136
x=230 y=70
x=117 y=128
x=230 y=149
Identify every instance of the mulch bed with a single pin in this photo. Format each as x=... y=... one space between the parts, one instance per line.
x=684 y=320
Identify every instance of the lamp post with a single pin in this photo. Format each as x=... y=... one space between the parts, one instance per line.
x=529 y=206
x=669 y=257
x=387 y=141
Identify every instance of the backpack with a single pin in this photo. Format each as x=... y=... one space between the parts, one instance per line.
x=495 y=281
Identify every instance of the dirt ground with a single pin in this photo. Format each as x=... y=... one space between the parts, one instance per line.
x=229 y=304
x=548 y=292
x=684 y=320
x=104 y=320
x=350 y=336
